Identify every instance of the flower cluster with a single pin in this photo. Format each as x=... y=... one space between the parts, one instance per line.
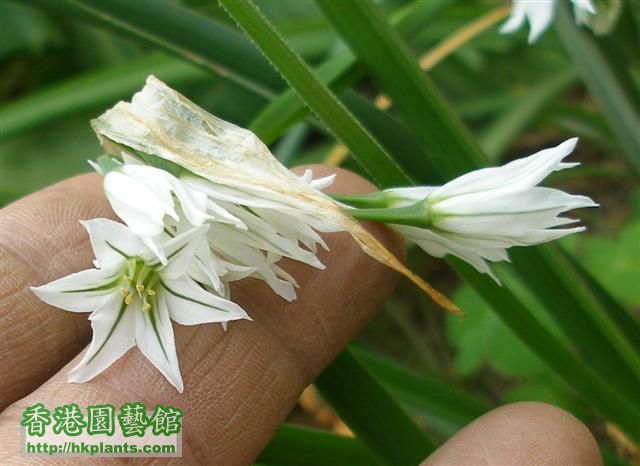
x=599 y=15
x=204 y=203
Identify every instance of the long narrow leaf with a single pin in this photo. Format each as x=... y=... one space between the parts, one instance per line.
x=176 y=29
x=315 y=93
x=380 y=423
x=432 y=396
x=417 y=100
x=603 y=84
x=93 y=90
x=295 y=446
x=371 y=413
x=495 y=139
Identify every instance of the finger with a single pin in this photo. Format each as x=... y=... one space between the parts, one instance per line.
x=42 y=240
x=240 y=385
x=522 y=434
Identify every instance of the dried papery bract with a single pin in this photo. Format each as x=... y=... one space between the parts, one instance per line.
x=161 y=122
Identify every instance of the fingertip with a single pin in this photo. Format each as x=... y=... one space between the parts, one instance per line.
x=520 y=433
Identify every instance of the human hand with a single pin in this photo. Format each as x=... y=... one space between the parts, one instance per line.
x=240 y=384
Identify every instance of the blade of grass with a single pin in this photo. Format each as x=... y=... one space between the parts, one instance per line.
x=449 y=143
x=574 y=372
x=93 y=90
x=180 y=31
x=315 y=93
x=381 y=50
x=371 y=413
x=342 y=68
x=586 y=124
x=501 y=132
x=428 y=394
x=626 y=323
x=604 y=85
x=548 y=348
x=296 y=445
x=608 y=350
x=380 y=423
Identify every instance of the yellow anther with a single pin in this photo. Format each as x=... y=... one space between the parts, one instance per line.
x=123 y=292
x=140 y=288
x=128 y=299
x=151 y=292
x=128 y=277
x=146 y=307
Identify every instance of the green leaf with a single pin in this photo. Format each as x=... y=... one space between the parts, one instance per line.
x=616 y=100
x=598 y=394
x=453 y=150
x=93 y=90
x=596 y=338
x=295 y=446
x=193 y=37
x=315 y=94
x=614 y=261
x=371 y=413
x=337 y=71
x=435 y=399
x=627 y=324
x=481 y=338
x=424 y=111
x=500 y=133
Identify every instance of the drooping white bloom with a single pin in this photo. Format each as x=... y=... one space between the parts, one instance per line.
x=133 y=297
x=282 y=213
x=478 y=216
x=539 y=14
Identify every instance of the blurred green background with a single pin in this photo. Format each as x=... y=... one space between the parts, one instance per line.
x=61 y=67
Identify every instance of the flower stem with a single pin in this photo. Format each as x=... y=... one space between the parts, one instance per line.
x=416 y=215
x=366 y=201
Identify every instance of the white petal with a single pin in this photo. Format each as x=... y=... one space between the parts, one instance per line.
x=82 y=291
x=154 y=337
x=181 y=251
x=190 y=304
x=152 y=244
x=112 y=241
x=585 y=5
x=113 y=327
x=439 y=245
x=516 y=18
x=518 y=174
x=136 y=204
x=511 y=202
x=510 y=216
x=540 y=15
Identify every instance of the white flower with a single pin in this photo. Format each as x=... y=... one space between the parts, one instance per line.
x=133 y=297
x=539 y=14
x=282 y=213
x=144 y=196
x=478 y=216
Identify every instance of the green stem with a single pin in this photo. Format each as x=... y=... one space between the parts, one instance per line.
x=415 y=215
x=366 y=201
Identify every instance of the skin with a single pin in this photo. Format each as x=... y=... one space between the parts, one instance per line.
x=239 y=385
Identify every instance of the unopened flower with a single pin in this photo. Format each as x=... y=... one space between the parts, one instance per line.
x=282 y=213
x=540 y=13
x=133 y=297
x=478 y=216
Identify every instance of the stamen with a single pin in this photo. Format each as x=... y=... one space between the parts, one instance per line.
x=140 y=289
x=128 y=299
x=146 y=307
x=151 y=292
x=123 y=292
